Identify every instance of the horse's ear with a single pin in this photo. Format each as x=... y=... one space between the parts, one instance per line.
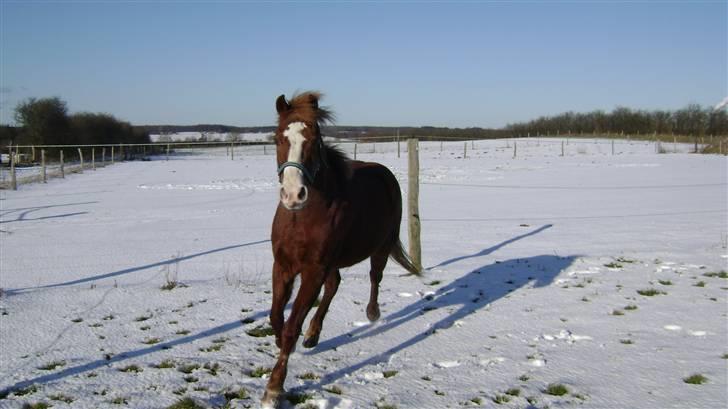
x=313 y=99
x=282 y=105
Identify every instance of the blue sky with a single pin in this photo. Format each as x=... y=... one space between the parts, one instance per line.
x=395 y=64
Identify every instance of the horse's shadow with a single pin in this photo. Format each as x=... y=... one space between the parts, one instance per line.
x=462 y=297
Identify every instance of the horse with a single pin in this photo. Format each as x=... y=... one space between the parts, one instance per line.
x=333 y=213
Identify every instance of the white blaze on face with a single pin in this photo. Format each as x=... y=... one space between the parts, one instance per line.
x=292 y=182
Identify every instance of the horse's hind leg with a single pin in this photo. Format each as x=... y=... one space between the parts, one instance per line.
x=378 y=262
x=314 y=328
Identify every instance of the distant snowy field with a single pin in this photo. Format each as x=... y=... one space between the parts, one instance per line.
x=212 y=136
x=534 y=267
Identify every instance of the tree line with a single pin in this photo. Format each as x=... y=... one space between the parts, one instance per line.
x=693 y=120
x=46 y=121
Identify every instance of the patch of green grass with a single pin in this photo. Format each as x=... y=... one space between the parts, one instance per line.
x=211 y=368
x=308 y=376
x=384 y=405
x=613 y=265
x=389 y=374
x=584 y=299
x=260 y=331
x=173 y=322
x=617 y=312
x=151 y=341
x=513 y=392
x=625 y=260
x=77 y=320
x=248 y=320
x=143 y=318
x=650 y=292
x=626 y=341
x=186 y=403
x=240 y=393
x=29 y=390
x=725 y=356
x=523 y=378
x=556 y=389
x=95 y=325
x=109 y=317
x=61 y=397
x=220 y=340
x=52 y=365
x=579 y=396
x=434 y=282
x=260 y=371
x=145 y=328
x=183 y=332
x=180 y=391
x=119 y=400
x=696 y=379
x=298 y=398
x=131 y=369
x=37 y=405
x=630 y=307
x=722 y=274
x=212 y=348
x=166 y=364
x=191 y=379
x=477 y=400
x=439 y=393
x=699 y=284
x=501 y=399
x=665 y=282
x=334 y=389
x=188 y=368
x=426 y=378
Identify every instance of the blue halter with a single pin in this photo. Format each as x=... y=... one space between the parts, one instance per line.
x=309 y=175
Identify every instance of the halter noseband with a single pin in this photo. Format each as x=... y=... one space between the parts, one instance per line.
x=310 y=176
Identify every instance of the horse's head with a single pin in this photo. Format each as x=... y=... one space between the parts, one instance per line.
x=299 y=146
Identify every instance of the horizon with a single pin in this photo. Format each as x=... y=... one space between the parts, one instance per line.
x=456 y=65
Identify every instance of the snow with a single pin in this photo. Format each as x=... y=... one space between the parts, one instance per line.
x=529 y=260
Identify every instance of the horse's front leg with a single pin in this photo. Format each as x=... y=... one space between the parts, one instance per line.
x=282 y=287
x=333 y=278
x=311 y=282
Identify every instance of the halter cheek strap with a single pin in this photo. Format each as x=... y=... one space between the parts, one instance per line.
x=308 y=175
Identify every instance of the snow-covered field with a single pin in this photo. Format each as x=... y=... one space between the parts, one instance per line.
x=536 y=265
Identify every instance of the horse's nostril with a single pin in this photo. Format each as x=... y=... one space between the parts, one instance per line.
x=303 y=193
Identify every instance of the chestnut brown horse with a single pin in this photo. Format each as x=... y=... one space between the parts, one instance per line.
x=333 y=213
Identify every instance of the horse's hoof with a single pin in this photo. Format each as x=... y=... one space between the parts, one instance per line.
x=311 y=342
x=270 y=399
x=373 y=313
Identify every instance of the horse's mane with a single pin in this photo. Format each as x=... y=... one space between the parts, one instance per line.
x=338 y=162
x=305 y=107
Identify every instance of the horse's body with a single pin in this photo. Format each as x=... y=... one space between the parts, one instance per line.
x=333 y=213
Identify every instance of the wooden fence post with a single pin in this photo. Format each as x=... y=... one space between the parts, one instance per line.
x=43 y=166
x=112 y=155
x=13 y=176
x=562 y=148
x=93 y=158
x=612 y=147
x=167 y=151
x=63 y=170
x=398 y=143
x=80 y=156
x=465 y=150
x=103 y=156
x=355 y=145
x=515 y=148
x=413 y=194
x=32 y=150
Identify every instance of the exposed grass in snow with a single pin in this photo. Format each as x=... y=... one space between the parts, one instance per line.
x=696 y=379
x=650 y=292
x=52 y=365
x=260 y=331
x=186 y=403
x=556 y=389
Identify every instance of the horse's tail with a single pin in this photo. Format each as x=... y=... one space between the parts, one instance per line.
x=403 y=259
